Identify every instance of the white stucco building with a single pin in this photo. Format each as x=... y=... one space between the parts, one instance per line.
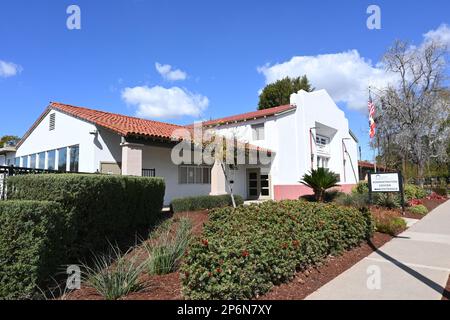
x=7 y=155
x=310 y=132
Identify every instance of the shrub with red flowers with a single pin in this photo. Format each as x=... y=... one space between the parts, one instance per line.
x=415 y=202
x=258 y=246
x=435 y=196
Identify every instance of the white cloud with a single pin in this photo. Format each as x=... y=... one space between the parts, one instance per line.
x=346 y=76
x=441 y=34
x=9 y=69
x=159 y=102
x=166 y=71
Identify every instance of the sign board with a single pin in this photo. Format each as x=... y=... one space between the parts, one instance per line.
x=385 y=182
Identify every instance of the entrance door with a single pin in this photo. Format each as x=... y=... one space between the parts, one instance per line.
x=258 y=185
x=253 y=184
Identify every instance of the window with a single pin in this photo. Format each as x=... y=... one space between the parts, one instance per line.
x=25 y=162
x=149 y=172
x=194 y=175
x=322 y=141
x=74 y=158
x=52 y=121
x=62 y=159
x=33 y=161
x=322 y=162
x=51 y=160
x=258 y=131
x=41 y=160
x=17 y=162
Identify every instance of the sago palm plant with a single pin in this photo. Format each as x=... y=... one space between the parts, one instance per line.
x=320 y=181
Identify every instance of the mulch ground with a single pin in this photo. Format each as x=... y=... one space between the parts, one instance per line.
x=157 y=287
x=306 y=282
x=168 y=287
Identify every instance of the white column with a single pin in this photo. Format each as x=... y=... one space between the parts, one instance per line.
x=131 y=159
x=218 y=182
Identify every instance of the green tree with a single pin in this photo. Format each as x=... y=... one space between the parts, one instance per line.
x=320 y=181
x=5 y=140
x=279 y=92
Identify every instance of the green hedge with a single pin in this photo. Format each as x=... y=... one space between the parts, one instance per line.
x=419 y=209
x=243 y=252
x=204 y=202
x=95 y=209
x=31 y=246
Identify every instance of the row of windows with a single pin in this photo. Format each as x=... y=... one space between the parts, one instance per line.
x=194 y=174
x=63 y=159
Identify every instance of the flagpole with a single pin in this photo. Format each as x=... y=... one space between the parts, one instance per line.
x=376 y=143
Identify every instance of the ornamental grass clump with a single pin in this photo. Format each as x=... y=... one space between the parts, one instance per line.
x=243 y=252
x=114 y=274
x=165 y=254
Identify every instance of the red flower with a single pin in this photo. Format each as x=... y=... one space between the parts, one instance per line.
x=245 y=253
x=219 y=270
x=295 y=243
x=415 y=202
x=186 y=274
x=205 y=242
x=284 y=245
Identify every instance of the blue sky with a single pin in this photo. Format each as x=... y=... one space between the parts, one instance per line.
x=222 y=52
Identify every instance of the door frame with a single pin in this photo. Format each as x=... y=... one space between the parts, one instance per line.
x=258 y=184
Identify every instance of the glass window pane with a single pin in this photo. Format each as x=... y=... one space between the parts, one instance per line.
x=190 y=177
x=74 y=158
x=51 y=160
x=198 y=175
x=264 y=192
x=253 y=175
x=182 y=175
x=33 y=161
x=62 y=159
x=253 y=192
x=41 y=160
x=264 y=183
x=17 y=162
x=25 y=162
x=206 y=175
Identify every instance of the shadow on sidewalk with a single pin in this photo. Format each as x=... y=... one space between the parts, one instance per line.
x=433 y=285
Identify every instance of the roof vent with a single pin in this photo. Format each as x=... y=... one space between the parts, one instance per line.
x=51 y=126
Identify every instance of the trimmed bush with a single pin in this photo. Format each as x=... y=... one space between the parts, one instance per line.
x=362 y=187
x=442 y=191
x=419 y=209
x=390 y=225
x=94 y=210
x=358 y=200
x=31 y=248
x=97 y=208
x=414 y=192
x=204 y=202
x=243 y=252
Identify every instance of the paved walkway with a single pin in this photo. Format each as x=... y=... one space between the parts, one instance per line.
x=413 y=266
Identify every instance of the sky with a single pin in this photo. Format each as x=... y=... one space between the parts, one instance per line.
x=187 y=60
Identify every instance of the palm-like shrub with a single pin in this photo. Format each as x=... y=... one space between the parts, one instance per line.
x=320 y=180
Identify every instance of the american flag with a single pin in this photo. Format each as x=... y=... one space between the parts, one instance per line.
x=372 y=124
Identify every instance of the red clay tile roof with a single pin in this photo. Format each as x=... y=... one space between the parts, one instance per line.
x=122 y=125
x=250 y=115
x=369 y=165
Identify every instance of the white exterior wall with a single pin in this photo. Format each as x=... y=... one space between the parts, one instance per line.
x=288 y=135
x=7 y=158
x=159 y=158
x=317 y=110
x=70 y=131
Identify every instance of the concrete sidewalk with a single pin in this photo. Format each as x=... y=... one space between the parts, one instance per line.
x=413 y=266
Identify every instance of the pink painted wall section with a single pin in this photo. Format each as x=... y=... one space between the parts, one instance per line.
x=293 y=192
